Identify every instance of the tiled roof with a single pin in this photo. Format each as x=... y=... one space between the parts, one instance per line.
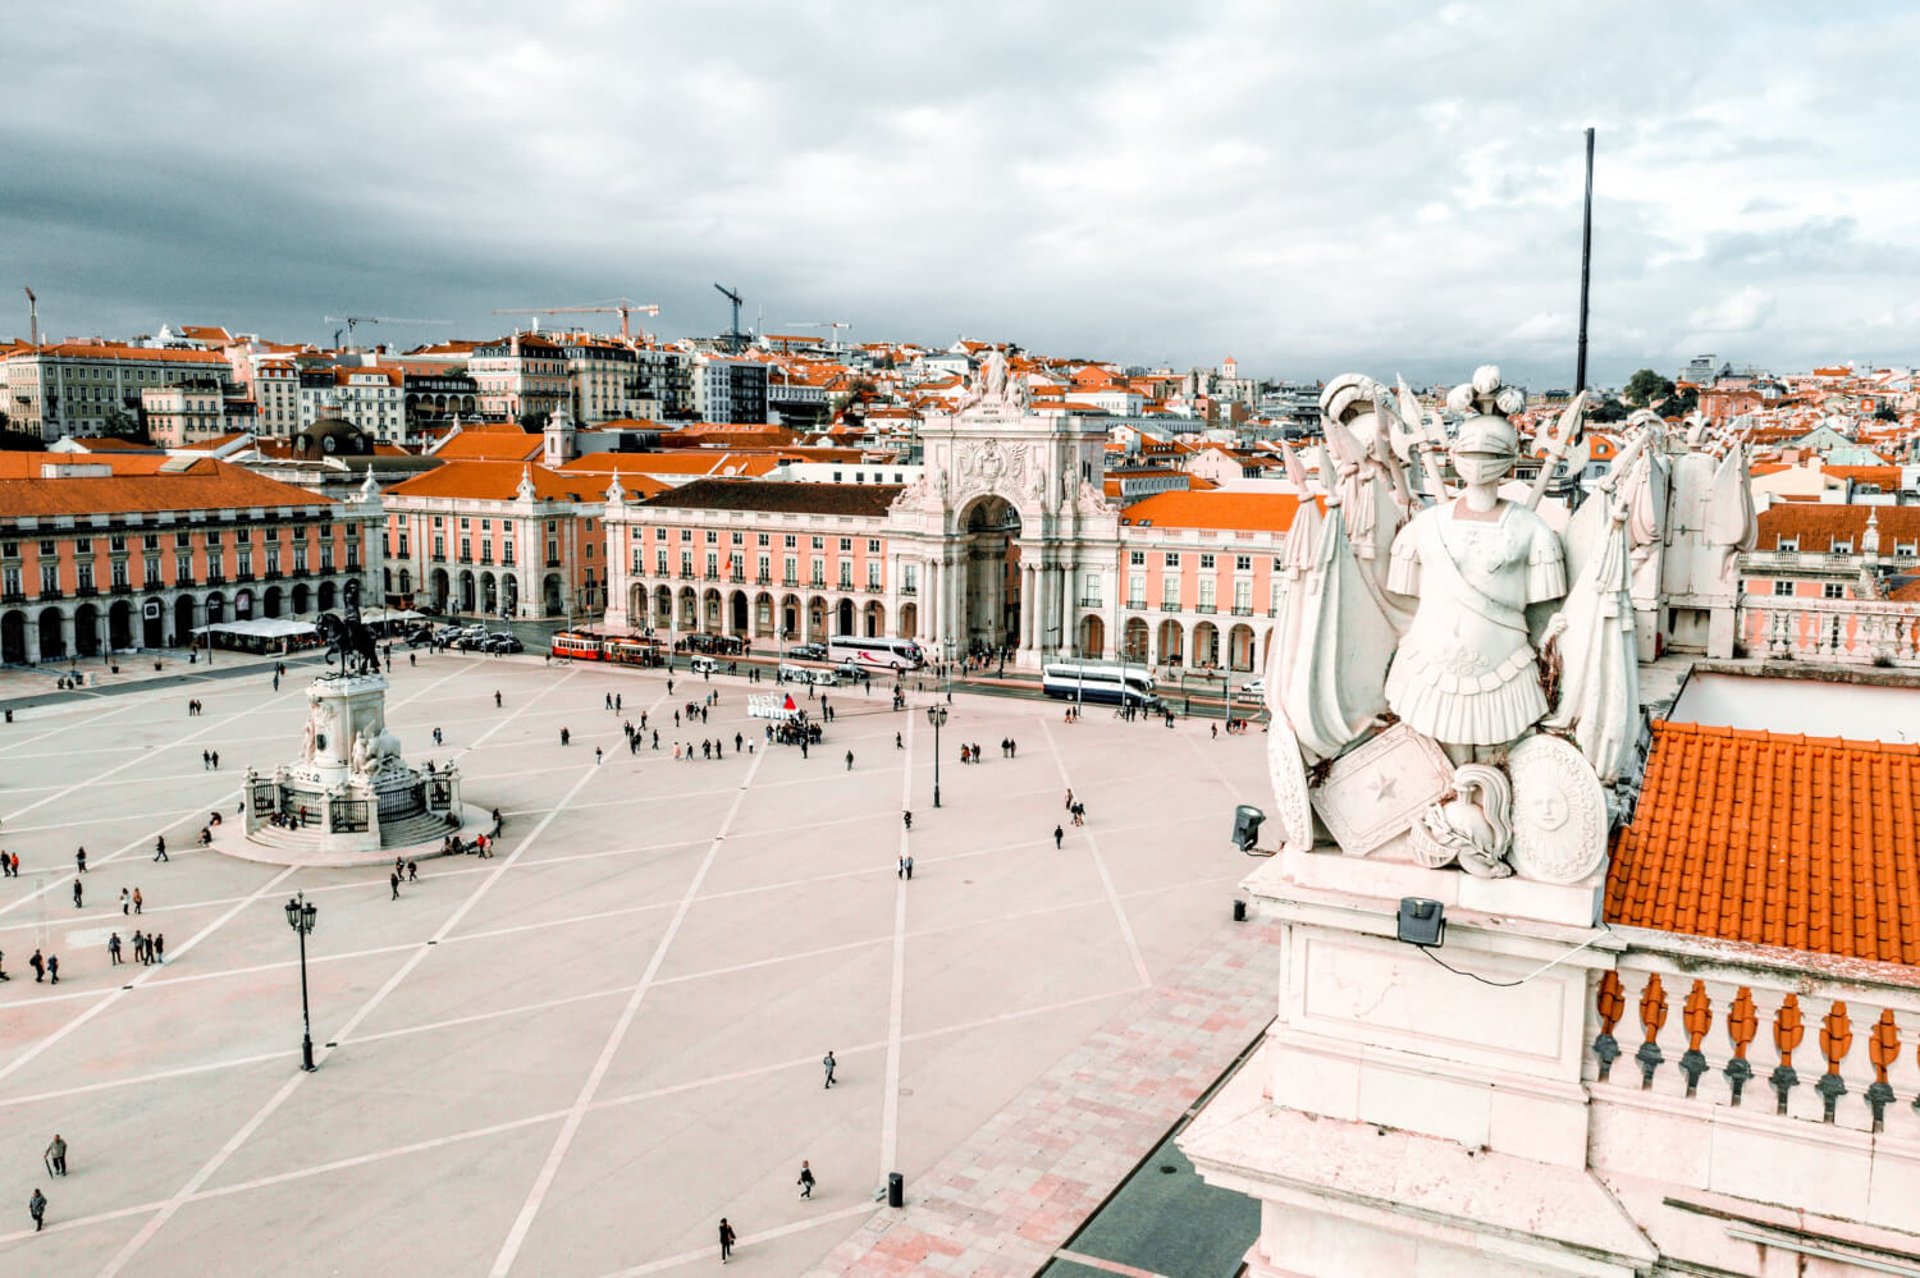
x=1810 y=843
x=869 y=500
x=500 y=481
x=119 y=350
x=694 y=461
x=1816 y=524
x=137 y=484
x=478 y=443
x=1225 y=510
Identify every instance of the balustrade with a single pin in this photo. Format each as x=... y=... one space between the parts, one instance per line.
x=1847 y=631
x=1832 y=1052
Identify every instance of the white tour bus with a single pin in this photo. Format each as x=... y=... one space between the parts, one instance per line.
x=1097 y=681
x=879 y=653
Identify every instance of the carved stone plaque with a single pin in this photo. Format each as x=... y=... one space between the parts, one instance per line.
x=1559 y=812
x=1379 y=788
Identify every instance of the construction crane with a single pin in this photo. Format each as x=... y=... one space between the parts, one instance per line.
x=621 y=306
x=836 y=325
x=736 y=340
x=355 y=321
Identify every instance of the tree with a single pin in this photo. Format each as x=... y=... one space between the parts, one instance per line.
x=1885 y=413
x=1647 y=388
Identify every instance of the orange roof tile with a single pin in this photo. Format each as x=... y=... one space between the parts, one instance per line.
x=500 y=481
x=1809 y=843
x=492 y=442
x=1816 y=524
x=136 y=484
x=1227 y=511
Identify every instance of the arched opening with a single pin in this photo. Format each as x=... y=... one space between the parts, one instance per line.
x=301 y=598
x=1172 y=644
x=120 y=624
x=876 y=620
x=216 y=608
x=439 y=589
x=1240 y=647
x=909 y=621
x=327 y=592
x=406 y=589
x=1206 y=646
x=662 y=607
x=86 y=630
x=1093 y=637
x=790 y=617
x=763 y=615
x=153 y=624
x=550 y=597
x=53 y=641
x=183 y=620
x=737 y=606
x=13 y=638
x=816 y=620
x=1134 y=640
x=989 y=613
x=710 y=612
x=843 y=619
x=689 y=609
x=489 y=594
x=466 y=591
x=509 y=595
x=270 y=602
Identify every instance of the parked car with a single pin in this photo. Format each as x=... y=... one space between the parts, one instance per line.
x=808 y=652
x=1255 y=689
x=503 y=642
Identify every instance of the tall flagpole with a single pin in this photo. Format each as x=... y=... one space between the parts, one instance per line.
x=1586 y=271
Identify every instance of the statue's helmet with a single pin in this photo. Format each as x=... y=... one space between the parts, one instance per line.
x=1349 y=395
x=1487 y=434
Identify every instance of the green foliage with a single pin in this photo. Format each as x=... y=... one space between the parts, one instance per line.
x=1646 y=388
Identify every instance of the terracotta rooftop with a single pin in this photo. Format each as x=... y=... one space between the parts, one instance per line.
x=870 y=500
x=1225 y=510
x=1816 y=524
x=1808 y=843
x=491 y=442
x=139 y=482
x=500 y=481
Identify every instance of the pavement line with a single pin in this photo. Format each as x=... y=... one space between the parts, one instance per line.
x=897 y=988
x=517 y=1235
x=171 y=1206
x=1100 y=864
x=1106 y=1266
x=70 y=727
x=34 y=1052
x=744 y=1240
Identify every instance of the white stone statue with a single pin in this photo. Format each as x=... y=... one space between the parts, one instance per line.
x=362 y=750
x=1467 y=673
x=1470 y=826
x=994 y=371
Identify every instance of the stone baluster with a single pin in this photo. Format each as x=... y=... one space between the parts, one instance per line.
x=1787 y=1033
x=1610 y=1002
x=1883 y=1050
x=1743 y=1022
x=1836 y=1039
x=1697 y=1016
x=1653 y=1015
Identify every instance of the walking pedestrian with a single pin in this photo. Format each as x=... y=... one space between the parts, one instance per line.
x=77 y=889
x=898 y=744
x=206 y=760
x=37 y=1208
x=56 y=1156
x=126 y=903
x=39 y=966
x=113 y=949
x=726 y=1231
x=80 y=861
x=900 y=867
x=496 y=698
x=394 y=881
x=806 y=1179
x=138 y=901
x=909 y=819
x=160 y=849
x=53 y=968
x=566 y=738
x=909 y=867
x=598 y=757
x=413 y=869
x=828 y=1064
x=437 y=738
x=159 y=947
x=1058 y=835
x=1069 y=803
x=849 y=768
x=216 y=760
x=609 y=701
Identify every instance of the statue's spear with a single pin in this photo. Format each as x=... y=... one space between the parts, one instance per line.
x=1559 y=443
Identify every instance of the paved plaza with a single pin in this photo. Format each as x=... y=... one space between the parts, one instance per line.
x=575 y=1058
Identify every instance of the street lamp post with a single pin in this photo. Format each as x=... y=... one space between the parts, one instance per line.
x=936 y=715
x=300 y=915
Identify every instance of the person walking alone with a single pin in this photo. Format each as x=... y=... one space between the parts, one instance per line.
x=849 y=768
x=56 y=1156
x=726 y=1233
x=393 y=881
x=828 y=1064
x=113 y=949
x=1058 y=835
x=805 y=1180
x=37 y=1208
x=160 y=849
x=139 y=902
x=80 y=861
x=78 y=889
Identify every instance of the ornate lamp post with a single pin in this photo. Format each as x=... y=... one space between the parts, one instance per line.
x=936 y=715
x=300 y=915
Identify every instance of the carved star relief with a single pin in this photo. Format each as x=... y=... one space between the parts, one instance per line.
x=1383 y=787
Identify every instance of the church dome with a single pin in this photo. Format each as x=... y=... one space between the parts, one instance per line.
x=331 y=437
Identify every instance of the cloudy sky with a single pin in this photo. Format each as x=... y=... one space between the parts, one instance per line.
x=1307 y=187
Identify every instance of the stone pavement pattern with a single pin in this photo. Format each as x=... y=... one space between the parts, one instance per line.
x=575 y=1058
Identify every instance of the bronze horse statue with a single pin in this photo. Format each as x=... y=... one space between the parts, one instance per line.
x=348 y=638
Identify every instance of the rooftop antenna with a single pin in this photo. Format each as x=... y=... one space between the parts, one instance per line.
x=735 y=344
x=1586 y=272
x=33 y=316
